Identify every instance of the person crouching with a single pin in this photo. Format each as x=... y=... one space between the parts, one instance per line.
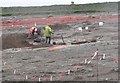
x=32 y=32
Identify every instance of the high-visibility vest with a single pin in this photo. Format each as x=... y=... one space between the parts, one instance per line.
x=48 y=31
x=31 y=29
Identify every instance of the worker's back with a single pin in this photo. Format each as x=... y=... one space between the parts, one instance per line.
x=31 y=30
x=48 y=31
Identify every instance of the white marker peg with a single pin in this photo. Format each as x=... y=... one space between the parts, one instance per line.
x=100 y=58
x=103 y=56
x=80 y=29
x=68 y=72
x=14 y=71
x=86 y=28
x=106 y=79
x=96 y=53
x=101 y=23
x=39 y=79
x=4 y=63
x=51 y=78
x=89 y=62
x=26 y=77
x=86 y=61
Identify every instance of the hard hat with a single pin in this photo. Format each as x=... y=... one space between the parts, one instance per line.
x=33 y=27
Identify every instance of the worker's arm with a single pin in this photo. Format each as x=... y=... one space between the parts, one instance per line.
x=51 y=31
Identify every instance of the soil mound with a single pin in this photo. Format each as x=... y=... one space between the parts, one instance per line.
x=18 y=41
x=14 y=41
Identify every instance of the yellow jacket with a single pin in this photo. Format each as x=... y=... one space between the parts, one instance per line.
x=48 y=31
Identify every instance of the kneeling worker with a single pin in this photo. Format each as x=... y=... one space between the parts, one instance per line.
x=32 y=31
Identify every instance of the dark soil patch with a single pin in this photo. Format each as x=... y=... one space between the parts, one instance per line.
x=42 y=45
x=14 y=41
x=58 y=26
x=18 y=41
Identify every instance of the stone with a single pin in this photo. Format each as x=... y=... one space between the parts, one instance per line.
x=90 y=75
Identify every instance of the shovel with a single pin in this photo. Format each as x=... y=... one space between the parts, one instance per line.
x=62 y=39
x=54 y=43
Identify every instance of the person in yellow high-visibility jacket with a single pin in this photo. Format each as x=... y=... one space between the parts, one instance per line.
x=48 y=33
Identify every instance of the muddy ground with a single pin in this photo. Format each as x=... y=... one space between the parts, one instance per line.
x=24 y=60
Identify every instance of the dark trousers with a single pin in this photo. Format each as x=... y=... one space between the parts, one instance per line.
x=48 y=40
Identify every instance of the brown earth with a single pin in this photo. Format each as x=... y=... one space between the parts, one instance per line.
x=43 y=63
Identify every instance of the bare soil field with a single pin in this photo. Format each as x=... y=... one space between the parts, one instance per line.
x=25 y=60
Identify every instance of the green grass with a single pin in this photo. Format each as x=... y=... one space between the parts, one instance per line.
x=59 y=9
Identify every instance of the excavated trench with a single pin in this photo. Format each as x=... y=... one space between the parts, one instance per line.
x=19 y=40
x=14 y=41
